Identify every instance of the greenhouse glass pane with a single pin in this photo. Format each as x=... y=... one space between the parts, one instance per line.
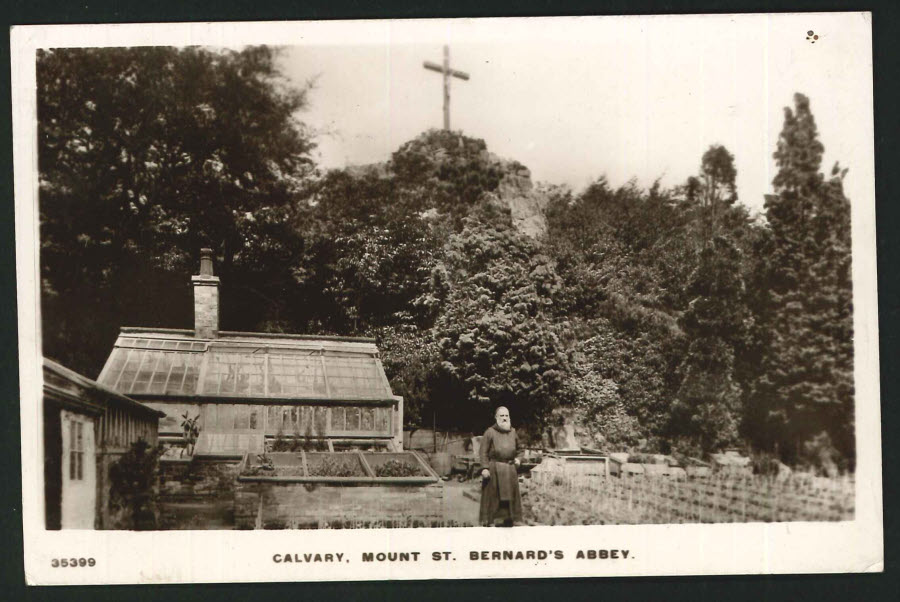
x=160 y=372
x=321 y=420
x=145 y=371
x=352 y=419
x=128 y=371
x=273 y=424
x=355 y=378
x=114 y=366
x=242 y=417
x=338 y=419
x=295 y=375
x=368 y=419
x=192 y=373
x=225 y=419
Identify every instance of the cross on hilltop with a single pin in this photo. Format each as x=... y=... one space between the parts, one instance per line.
x=447 y=72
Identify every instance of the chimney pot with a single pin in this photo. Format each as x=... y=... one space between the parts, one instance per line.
x=206 y=265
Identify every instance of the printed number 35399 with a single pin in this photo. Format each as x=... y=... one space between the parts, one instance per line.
x=72 y=562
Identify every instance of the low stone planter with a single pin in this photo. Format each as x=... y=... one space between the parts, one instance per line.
x=288 y=490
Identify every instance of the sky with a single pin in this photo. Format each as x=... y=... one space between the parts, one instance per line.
x=575 y=99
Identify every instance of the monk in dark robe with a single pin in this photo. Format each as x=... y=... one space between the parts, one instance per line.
x=501 y=502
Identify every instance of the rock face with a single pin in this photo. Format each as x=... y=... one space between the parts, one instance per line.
x=517 y=192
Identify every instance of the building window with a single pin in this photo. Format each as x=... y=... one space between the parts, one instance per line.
x=76 y=451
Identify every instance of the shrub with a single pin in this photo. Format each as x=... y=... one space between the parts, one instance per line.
x=820 y=455
x=133 y=488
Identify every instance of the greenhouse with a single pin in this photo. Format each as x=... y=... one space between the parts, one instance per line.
x=250 y=388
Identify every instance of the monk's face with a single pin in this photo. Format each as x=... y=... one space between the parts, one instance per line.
x=503 y=418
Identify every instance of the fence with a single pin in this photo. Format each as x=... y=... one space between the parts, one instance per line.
x=565 y=499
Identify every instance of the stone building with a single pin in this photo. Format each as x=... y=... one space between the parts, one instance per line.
x=251 y=389
x=86 y=428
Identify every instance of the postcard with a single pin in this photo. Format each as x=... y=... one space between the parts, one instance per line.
x=440 y=299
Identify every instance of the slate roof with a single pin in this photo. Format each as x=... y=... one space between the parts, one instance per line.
x=162 y=363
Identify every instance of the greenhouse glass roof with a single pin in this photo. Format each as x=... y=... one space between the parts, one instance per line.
x=174 y=363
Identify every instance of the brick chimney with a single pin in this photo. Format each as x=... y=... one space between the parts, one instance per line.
x=206 y=298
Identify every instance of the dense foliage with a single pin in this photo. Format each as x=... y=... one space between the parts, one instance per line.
x=145 y=155
x=665 y=320
x=133 y=482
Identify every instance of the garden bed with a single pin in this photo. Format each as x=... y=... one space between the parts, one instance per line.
x=334 y=464
x=284 y=490
x=395 y=465
x=559 y=499
x=346 y=467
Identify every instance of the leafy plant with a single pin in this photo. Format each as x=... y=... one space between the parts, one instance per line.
x=190 y=430
x=335 y=466
x=265 y=462
x=397 y=468
x=133 y=488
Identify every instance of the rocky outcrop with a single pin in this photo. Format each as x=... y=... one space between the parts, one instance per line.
x=438 y=155
x=525 y=202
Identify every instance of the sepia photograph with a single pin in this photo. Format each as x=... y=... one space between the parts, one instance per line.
x=545 y=288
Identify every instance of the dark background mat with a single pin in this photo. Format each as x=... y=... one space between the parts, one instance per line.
x=886 y=26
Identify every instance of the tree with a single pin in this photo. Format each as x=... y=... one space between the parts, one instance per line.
x=623 y=254
x=411 y=360
x=806 y=387
x=713 y=192
x=498 y=342
x=146 y=155
x=706 y=411
x=368 y=257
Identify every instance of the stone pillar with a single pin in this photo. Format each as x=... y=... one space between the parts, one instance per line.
x=206 y=298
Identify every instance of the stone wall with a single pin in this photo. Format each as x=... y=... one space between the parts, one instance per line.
x=197 y=480
x=285 y=505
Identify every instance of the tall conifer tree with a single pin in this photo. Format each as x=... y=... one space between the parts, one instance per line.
x=805 y=397
x=706 y=409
